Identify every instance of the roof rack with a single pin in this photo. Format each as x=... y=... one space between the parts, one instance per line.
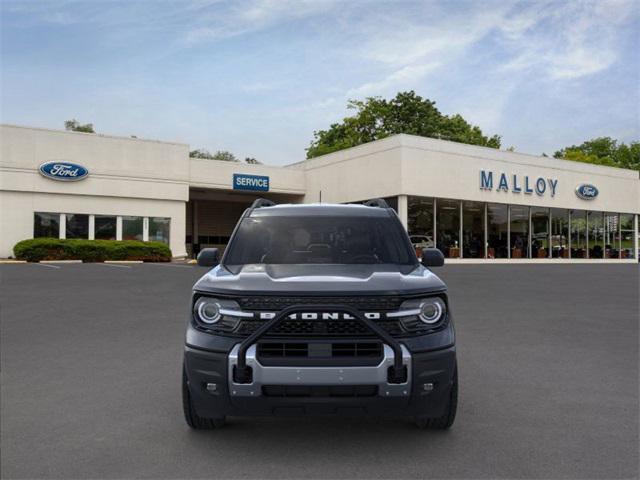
x=376 y=202
x=261 y=202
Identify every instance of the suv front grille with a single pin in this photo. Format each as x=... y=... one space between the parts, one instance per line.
x=364 y=304
x=328 y=350
x=319 y=328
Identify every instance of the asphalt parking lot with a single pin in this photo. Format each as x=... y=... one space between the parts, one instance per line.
x=91 y=362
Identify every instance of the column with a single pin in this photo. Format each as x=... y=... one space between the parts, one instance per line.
x=92 y=227
x=118 y=228
x=194 y=226
x=63 y=225
x=435 y=224
x=460 y=230
x=403 y=210
x=635 y=237
x=145 y=229
x=486 y=235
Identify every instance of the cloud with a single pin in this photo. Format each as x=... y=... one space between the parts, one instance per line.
x=397 y=80
x=565 y=41
x=247 y=17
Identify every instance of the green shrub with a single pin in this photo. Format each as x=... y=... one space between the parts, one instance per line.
x=37 y=249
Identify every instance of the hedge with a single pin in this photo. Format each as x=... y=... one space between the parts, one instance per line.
x=36 y=249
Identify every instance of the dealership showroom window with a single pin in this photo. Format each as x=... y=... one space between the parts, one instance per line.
x=515 y=231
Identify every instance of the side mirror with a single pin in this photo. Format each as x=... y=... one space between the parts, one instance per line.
x=208 y=257
x=432 y=257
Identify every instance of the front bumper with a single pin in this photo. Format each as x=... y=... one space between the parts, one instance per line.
x=209 y=373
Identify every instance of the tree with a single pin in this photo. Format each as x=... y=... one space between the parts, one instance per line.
x=252 y=161
x=219 y=155
x=225 y=156
x=75 y=126
x=377 y=118
x=604 y=151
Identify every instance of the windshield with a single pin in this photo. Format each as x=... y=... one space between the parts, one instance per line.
x=320 y=240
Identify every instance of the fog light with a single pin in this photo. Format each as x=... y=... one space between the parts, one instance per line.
x=212 y=387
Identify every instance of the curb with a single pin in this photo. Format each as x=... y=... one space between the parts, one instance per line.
x=9 y=262
x=123 y=261
x=60 y=261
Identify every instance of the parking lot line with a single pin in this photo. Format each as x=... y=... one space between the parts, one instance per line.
x=47 y=265
x=171 y=265
x=113 y=265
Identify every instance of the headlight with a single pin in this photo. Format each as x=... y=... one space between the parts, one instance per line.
x=207 y=310
x=218 y=314
x=432 y=310
x=419 y=314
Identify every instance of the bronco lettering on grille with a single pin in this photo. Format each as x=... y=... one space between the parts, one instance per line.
x=320 y=316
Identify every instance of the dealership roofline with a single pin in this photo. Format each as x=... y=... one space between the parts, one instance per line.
x=450 y=147
x=115 y=137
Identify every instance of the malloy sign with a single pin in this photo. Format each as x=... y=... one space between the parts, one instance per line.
x=514 y=183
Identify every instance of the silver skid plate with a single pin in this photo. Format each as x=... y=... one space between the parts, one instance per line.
x=328 y=376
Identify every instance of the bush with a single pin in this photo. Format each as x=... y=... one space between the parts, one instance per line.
x=37 y=249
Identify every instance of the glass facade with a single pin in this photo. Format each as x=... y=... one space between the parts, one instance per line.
x=559 y=233
x=497 y=230
x=46 y=225
x=101 y=227
x=595 y=226
x=448 y=227
x=519 y=232
x=626 y=236
x=578 y=234
x=473 y=241
x=105 y=227
x=540 y=238
x=611 y=235
x=132 y=228
x=159 y=229
x=465 y=229
x=77 y=226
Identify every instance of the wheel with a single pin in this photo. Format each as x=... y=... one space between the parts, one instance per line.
x=191 y=417
x=446 y=420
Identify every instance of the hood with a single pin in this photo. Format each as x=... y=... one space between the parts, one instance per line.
x=262 y=279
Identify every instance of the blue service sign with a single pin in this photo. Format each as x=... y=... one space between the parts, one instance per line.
x=250 y=182
x=63 y=171
x=586 y=191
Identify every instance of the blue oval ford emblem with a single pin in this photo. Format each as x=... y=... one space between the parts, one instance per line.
x=64 y=171
x=586 y=191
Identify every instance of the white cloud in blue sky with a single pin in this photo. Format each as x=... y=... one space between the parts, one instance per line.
x=258 y=77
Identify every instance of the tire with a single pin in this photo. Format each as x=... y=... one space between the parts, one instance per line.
x=445 y=421
x=191 y=417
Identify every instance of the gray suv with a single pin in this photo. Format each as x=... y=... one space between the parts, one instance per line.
x=320 y=309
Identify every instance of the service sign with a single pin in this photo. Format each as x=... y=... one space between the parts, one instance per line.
x=586 y=191
x=258 y=183
x=63 y=171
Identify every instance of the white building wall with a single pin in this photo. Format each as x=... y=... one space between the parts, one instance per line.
x=367 y=171
x=442 y=169
x=126 y=177
x=217 y=174
x=411 y=165
x=17 y=210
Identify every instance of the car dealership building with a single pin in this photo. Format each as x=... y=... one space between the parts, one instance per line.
x=472 y=202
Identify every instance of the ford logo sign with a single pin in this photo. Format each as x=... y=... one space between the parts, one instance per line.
x=63 y=171
x=586 y=191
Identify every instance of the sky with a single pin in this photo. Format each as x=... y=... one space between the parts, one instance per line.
x=258 y=77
